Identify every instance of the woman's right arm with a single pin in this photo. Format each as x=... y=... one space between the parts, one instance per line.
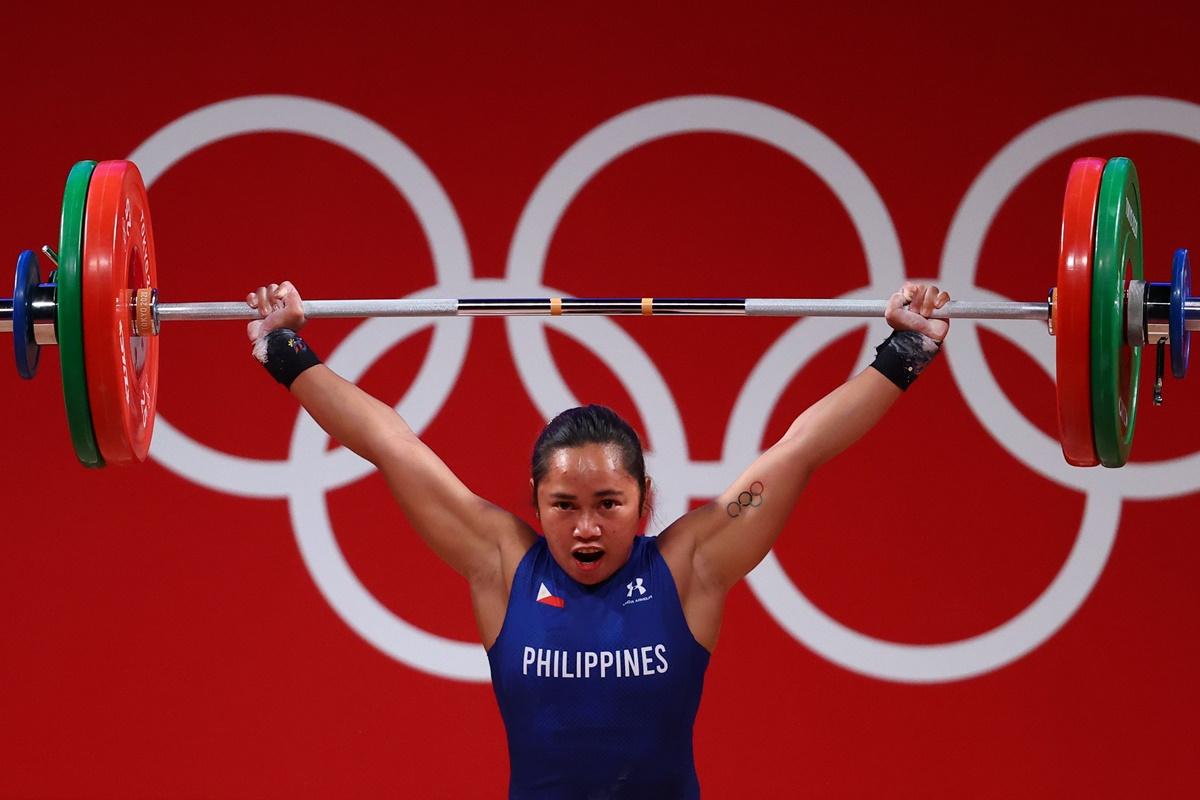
x=466 y=531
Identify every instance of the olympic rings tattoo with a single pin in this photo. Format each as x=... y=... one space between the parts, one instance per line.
x=751 y=498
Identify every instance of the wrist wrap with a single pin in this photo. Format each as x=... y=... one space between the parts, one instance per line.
x=904 y=355
x=285 y=355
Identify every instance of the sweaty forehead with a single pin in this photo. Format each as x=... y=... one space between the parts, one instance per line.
x=586 y=461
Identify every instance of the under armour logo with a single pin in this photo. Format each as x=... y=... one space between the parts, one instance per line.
x=636 y=583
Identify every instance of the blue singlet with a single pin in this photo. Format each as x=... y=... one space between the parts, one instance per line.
x=598 y=685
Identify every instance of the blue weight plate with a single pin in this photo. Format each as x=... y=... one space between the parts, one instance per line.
x=25 y=347
x=1181 y=287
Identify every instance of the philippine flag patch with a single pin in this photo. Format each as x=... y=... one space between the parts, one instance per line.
x=544 y=596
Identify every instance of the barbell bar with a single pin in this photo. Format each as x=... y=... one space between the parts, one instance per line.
x=607 y=306
x=44 y=310
x=106 y=266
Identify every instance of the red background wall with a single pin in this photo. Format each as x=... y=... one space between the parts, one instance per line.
x=161 y=637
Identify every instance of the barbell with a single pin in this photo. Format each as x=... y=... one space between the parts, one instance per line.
x=100 y=306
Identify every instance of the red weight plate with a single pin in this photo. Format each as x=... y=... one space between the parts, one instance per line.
x=1073 y=312
x=118 y=259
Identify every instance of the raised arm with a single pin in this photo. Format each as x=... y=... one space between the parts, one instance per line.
x=465 y=531
x=719 y=543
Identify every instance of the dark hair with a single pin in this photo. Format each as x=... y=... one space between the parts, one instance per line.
x=591 y=424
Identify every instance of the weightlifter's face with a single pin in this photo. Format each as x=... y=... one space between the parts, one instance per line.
x=589 y=509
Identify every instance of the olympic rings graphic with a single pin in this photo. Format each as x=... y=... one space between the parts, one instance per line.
x=310 y=472
x=751 y=498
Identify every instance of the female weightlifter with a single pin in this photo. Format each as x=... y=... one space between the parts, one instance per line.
x=598 y=638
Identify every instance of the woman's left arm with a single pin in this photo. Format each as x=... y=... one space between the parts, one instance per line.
x=723 y=540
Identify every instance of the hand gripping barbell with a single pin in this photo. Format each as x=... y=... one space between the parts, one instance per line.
x=101 y=307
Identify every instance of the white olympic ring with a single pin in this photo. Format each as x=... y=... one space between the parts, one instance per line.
x=252 y=477
x=310 y=472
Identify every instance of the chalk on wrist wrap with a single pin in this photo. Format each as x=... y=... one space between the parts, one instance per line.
x=904 y=355
x=285 y=355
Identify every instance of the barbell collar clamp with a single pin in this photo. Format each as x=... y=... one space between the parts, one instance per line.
x=145 y=312
x=1135 y=314
x=1157 y=304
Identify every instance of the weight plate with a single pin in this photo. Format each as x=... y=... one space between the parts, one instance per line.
x=25 y=345
x=69 y=321
x=119 y=259
x=1181 y=287
x=1118 y=259
x=1073 y=312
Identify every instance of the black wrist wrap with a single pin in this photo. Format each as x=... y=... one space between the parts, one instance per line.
x=285 y=355
x=904 y=355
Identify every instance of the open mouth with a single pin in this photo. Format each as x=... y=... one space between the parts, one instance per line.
x=587 y=556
